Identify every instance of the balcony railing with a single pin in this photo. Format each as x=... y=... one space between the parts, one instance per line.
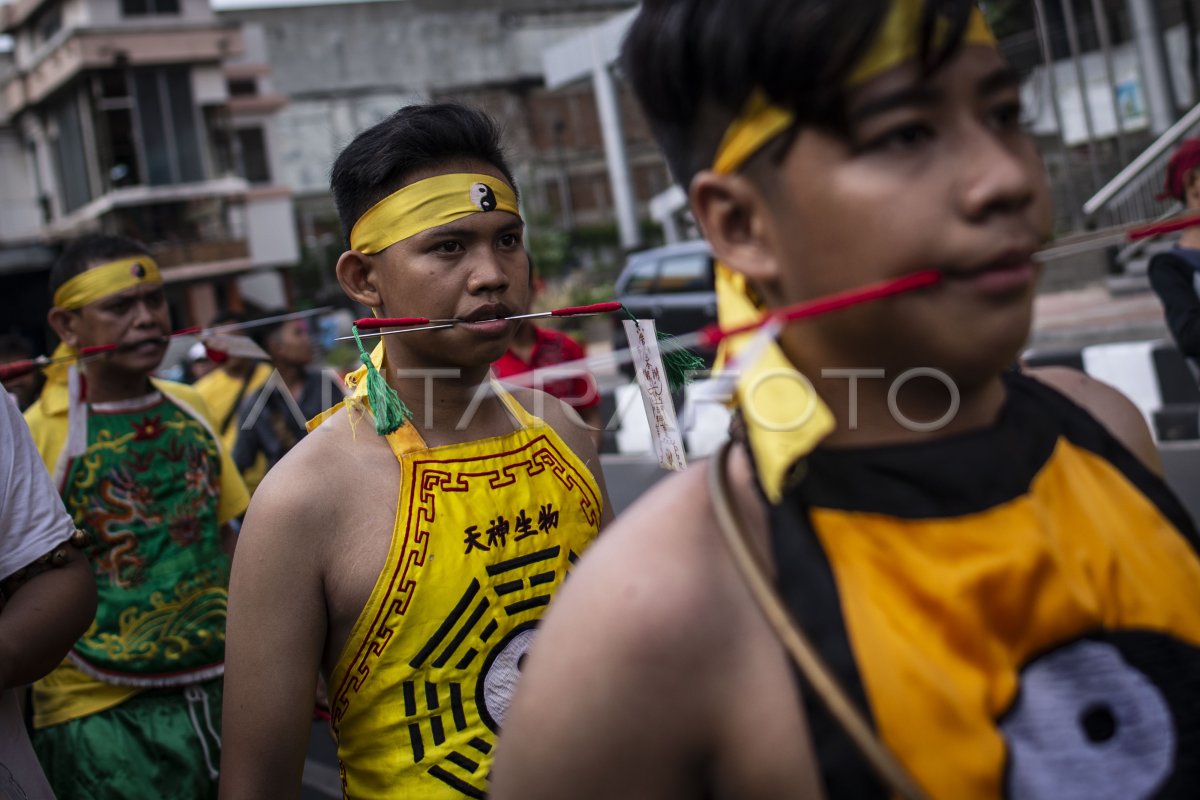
x=179 y=254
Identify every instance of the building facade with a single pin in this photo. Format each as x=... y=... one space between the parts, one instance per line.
x=346 y=66
x=152 y=119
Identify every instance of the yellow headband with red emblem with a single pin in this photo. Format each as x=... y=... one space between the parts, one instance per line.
x=428 y=204
x=106 y=280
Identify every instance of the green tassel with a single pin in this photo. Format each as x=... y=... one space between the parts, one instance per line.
x=679 y=362
x=389 y=410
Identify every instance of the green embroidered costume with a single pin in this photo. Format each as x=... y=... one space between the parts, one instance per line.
x=146 y=490
x=134 y=711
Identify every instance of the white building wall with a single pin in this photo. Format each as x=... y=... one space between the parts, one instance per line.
x=346 y=66
x=33 y=132
x=1132 y=94
x=104 y=12
x=310 y=133
x=208 y=85
x=196 y=10
x=20 y=217
x=411 y=45
x=78 y=13
x=264 y=288
x=254 y=46
x=271 y=230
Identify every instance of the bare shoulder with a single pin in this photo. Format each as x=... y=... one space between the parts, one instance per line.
x=638 y=616
x=656 y=617
x=1113 y=410
x=659 y=568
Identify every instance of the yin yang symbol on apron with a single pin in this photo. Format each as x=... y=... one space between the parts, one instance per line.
x=1105 y=717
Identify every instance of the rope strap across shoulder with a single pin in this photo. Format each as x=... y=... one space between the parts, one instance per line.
x=750 y=564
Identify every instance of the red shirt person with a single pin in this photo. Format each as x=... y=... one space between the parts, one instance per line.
x=537 y=348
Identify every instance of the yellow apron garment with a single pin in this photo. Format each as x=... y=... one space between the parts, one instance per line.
x=1016 y=609
x=485 y=532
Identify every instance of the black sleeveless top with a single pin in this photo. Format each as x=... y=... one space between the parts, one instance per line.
x=1015 y=609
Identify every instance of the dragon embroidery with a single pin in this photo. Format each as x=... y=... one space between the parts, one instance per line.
x=120 y=504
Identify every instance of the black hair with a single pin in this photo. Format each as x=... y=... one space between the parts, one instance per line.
x=380 y=159
x=263 y=334
x=695 y=63
x=88 y=251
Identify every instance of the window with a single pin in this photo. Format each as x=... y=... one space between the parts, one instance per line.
x=219 y=135
x=255 y=165
x=167 y=122
x=116 y=142
x=138 y=8
x=243 y=87
x=687 y=273
x=118 y=148
x=641 y=277
x=147 y=127
x=42 y=197
x=69 y=160
x=110 y=84
x=46 y=24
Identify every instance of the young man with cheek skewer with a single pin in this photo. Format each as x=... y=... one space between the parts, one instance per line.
x=998 y=605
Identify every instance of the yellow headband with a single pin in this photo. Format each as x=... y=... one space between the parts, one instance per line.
x=759 y=123
x=427 y=204
x=106 y=280
x=898 y=41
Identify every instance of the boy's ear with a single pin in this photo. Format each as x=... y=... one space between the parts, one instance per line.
x=66 y=325
x=1191 y=189
x=355 y=273
x=732 y=213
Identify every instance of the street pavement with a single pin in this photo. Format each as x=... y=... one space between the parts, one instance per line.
x=321 y=780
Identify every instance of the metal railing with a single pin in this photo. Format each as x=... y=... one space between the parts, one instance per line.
x=1132 y=196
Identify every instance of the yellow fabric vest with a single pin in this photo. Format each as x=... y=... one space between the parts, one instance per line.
x=485 y=532
x=222 y=393
x=1017 y=609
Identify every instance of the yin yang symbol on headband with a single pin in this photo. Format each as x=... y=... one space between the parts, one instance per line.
x=482 y=197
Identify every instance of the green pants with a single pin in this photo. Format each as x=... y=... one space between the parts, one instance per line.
x=162 y=743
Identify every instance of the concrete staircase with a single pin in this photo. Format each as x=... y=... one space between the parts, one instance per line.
x=1086 y=297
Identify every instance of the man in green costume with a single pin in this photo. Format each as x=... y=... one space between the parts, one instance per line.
x=134 y=710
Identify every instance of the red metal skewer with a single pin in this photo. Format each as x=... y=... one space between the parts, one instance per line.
x=375 y=323
x=16 y=369
x=594 y=308
x=1161 y=228
x=712 y=335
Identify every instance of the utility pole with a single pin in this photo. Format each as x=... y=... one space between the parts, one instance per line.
x=1147 y=33
x=591 y=54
